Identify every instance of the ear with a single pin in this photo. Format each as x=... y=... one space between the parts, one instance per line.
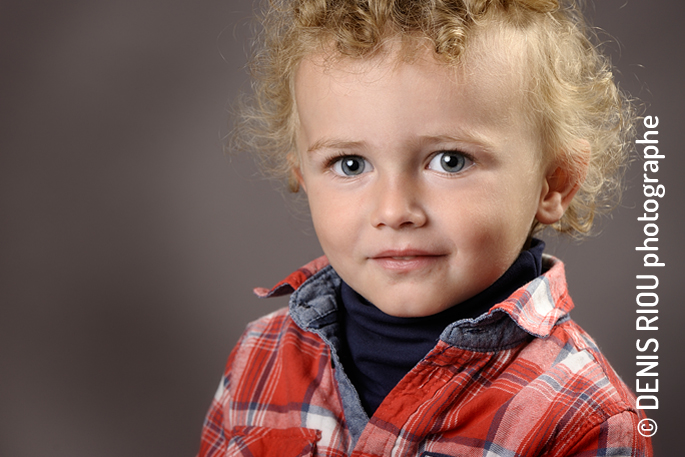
x=560 y=186
x=295 y=179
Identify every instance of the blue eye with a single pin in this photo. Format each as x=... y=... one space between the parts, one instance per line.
x=351 y=166
x=449 y=162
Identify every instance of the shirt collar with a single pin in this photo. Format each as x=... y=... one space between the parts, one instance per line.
x=533 y=310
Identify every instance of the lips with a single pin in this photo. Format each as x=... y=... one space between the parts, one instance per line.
x=406 y=260
x=404 y=253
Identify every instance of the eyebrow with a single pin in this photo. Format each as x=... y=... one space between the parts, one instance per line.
x=460 y=137
x=334 y=143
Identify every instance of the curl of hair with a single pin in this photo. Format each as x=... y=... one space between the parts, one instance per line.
x=572 y=95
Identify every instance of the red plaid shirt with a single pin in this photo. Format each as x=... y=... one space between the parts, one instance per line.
x=521 y=380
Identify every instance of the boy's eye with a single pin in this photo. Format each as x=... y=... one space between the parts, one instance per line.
x=351 y=166
x=449 y=162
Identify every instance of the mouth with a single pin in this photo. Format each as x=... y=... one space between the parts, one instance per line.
x=405 y=254
x=406 y=260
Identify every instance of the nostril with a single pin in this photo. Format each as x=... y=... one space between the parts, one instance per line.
x=400 y=217
x=397 y=204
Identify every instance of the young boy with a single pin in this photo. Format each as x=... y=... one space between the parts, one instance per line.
x=432 y=138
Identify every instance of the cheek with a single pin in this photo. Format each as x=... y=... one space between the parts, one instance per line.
x=323 y=220
x=334 y=219
x=487 y=220
x=472 y=208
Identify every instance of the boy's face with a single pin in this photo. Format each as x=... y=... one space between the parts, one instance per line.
x=422 y=181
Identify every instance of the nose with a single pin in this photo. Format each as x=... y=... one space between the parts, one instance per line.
x=397 y=204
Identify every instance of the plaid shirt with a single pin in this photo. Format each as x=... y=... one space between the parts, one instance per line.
x=521 y=380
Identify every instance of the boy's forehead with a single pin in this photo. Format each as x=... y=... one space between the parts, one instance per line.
x=499 y=53
x=491 y=69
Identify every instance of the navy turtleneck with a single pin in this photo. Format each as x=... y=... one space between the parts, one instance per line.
x=378 y=350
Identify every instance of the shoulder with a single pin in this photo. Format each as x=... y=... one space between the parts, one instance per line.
x=581 y=369
x=594 y=409
x=267 y=336
x=259 y=337
x=267 y=325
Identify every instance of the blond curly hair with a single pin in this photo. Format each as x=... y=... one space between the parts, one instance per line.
x=572 y=95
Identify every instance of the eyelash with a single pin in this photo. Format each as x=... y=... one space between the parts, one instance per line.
x=467 y=160
x=336 y=158
x=332 y=162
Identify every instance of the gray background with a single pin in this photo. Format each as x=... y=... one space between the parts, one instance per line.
x=129 y=243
